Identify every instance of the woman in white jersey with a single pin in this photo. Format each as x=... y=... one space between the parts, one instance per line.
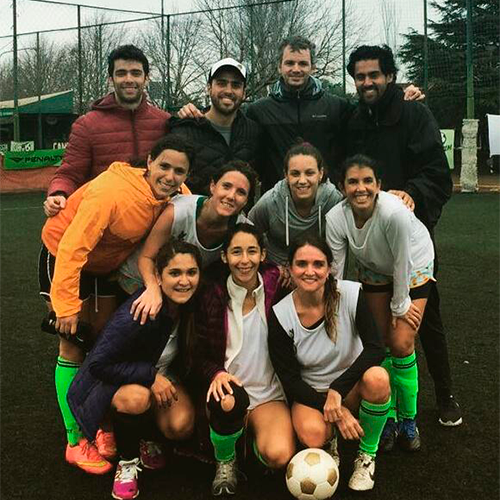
x=394 y=255
x=325 y=348
x=196 y=219
x=234 y=362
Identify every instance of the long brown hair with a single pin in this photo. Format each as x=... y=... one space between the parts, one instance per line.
x=187 y=311
x=331 y=295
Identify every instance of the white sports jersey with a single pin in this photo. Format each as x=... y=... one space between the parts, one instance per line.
x=184 y=226
x=323 y=361
x=393 y=242
x=169 y=352
x=252 y=365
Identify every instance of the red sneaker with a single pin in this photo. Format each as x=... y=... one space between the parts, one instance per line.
x=86 y=456
x=152 y=456
x=106 y=444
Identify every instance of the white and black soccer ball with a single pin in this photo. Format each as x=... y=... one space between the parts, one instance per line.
x=312 y=474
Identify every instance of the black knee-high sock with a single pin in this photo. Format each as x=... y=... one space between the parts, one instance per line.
x=129 y=430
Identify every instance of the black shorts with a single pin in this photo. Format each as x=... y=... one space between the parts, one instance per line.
x=419 y=292
x=90 y=284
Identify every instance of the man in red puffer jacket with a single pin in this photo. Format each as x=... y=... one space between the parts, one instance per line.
x=120 y=126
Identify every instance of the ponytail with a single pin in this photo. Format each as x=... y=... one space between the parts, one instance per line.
x=331 y=300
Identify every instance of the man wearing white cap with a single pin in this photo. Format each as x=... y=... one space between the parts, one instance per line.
x=223 y=133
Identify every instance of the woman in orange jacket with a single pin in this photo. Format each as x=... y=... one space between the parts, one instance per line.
x=101 y=225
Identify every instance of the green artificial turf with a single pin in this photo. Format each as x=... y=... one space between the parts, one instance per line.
x=453 y=463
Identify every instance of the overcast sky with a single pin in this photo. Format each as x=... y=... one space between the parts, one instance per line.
x=36 y=16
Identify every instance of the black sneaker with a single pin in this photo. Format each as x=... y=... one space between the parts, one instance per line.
x=389 y=436
x=450 y=414
x=408 y=435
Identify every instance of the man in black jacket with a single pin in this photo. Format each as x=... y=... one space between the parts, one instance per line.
x=297 y=106
x=404 y=138
x=223 y=132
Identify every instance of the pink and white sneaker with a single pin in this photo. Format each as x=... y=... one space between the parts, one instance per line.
x=126 y=483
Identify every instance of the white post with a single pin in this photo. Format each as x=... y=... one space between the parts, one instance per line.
x=468 y=175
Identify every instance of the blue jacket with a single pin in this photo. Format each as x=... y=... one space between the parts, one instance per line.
x=125 y=352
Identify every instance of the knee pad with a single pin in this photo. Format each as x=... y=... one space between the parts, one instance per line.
x=228 y=422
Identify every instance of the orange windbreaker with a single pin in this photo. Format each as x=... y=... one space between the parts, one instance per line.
x=99 y=228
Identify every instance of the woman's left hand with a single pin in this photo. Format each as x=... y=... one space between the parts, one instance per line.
x=67 y=325
x=163 y=391
x=349 y=427
x=405 y=198
x=413 y=317
x=332 y=409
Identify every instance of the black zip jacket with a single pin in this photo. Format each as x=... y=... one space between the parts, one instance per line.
x=212 y=150
x=319 y=118
x=404 y=138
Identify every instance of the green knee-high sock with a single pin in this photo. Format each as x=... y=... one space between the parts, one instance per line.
x=372 y=418
x=224 y=446
x=387 y=364
x=258 y=455
x=64 y=375
x=406 y=382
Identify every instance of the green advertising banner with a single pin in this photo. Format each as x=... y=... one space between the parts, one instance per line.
x=448 y=139
x=20 y=160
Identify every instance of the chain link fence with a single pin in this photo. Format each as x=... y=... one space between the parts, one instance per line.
x=68 y=50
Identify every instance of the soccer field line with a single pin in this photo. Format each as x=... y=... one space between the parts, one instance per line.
x=20 y=208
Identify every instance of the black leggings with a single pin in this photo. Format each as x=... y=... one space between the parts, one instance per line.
x=229 y=422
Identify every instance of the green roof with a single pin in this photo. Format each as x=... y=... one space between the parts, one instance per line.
x=58 y=103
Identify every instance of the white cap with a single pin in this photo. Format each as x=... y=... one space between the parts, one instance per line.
x=228 y=61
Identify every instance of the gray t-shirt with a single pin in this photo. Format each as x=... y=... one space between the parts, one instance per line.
x=224 y=131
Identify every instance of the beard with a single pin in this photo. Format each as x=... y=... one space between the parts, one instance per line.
x=224 y=110
x=129 y=99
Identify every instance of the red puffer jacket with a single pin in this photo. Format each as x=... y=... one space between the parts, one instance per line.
x=106 y=134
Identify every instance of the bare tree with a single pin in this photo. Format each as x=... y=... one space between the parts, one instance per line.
x=39 y=70
x=97 y=41
x=52 y=61
x=390 y=15
x=177 y=56
x=252 y=34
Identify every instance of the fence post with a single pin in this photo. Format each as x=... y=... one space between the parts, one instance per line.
x=80 y=66
x=15 y=75
x=162 y=51
x=469 y=62
x=39 y=91
x=343 y=48
x=168 y=61
x=99 y=61
x=426 y=53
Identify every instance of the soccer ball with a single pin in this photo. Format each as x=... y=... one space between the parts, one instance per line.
x=312 y=474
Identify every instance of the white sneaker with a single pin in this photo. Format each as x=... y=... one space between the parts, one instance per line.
x=125 y=486
x=226 y=478
x=331 y=447
x=363 y=476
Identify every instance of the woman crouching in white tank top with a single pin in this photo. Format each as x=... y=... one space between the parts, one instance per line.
x=325 y=348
